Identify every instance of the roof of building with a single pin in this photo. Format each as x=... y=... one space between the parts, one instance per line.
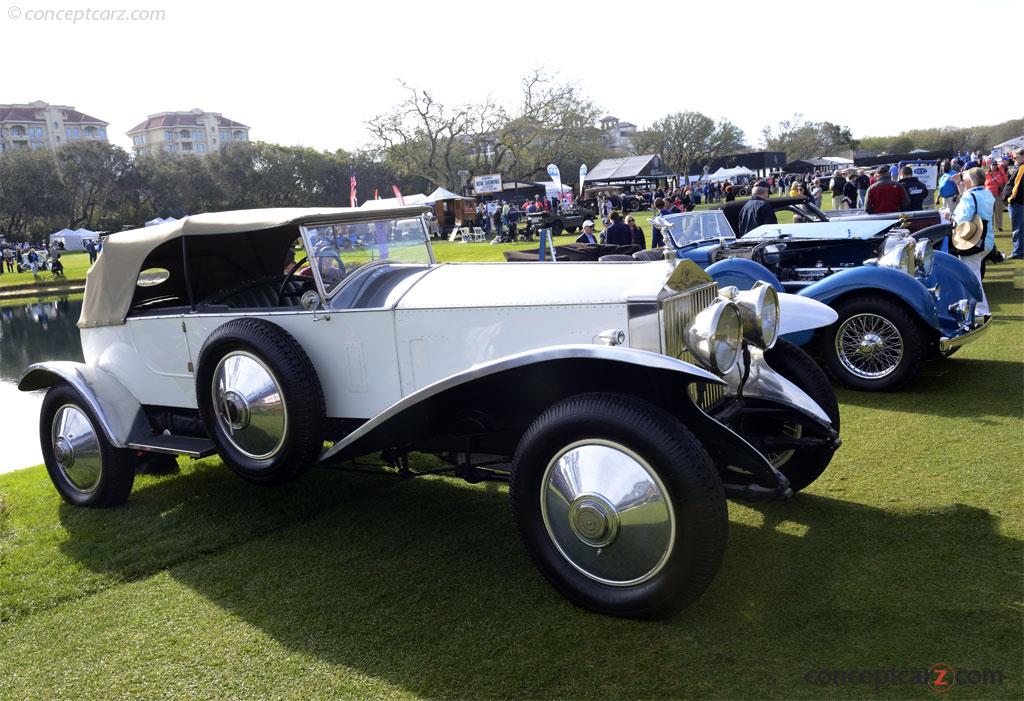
x=30 y=113
x=181 y=119
x=628 y=167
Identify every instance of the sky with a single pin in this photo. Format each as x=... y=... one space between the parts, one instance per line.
x=313 y=74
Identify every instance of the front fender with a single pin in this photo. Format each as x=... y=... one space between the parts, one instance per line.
x=742 y=273
x=495 y=401
x=893 y=282
x=955 y=282
x=119 y=413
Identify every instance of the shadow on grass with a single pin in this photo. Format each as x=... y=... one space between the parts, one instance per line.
x=425 y=585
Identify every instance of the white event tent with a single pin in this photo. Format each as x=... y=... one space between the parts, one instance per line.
x=73 y=240
x=732 y=173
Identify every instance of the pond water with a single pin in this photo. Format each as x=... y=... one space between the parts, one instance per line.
x=31 y=330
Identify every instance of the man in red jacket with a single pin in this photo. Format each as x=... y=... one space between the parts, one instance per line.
x=885 y=196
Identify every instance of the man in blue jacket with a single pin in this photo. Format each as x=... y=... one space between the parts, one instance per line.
x=618 y=234
x=756 y=211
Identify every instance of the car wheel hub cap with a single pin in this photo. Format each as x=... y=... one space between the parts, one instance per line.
x=76 y=448
x=593 y=520
x=869 y=346
x=607 y=512
x=249 y=405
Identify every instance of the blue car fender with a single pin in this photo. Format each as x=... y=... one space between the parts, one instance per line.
x=742 y=273
x=896 y=283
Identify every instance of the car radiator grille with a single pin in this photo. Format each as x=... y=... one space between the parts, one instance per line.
x=676 y=312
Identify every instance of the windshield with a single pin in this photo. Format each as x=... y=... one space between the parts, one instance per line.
x=336 y=251
x=693 y=227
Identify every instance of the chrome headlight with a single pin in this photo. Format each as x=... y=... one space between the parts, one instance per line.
x=924 y=257
x=759 y=314
x=715 y=336
x=899 y=254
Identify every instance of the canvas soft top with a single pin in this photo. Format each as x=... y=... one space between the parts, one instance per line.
x=110 y=283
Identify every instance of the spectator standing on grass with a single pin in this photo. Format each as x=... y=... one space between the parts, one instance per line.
x=885 y=196
x=947 y=188
x=618 y=234
x=636 y=234
x=90 y=248
x=816 y=192
x=1013 y=194
x=730 y=192
x=863 y=182
x=917 y=191
x=976 y=200
x=837 y=185
x=995 y=181
x=756 y=211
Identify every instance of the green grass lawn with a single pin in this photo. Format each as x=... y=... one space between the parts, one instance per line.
x=76 y=265
x=906 y=553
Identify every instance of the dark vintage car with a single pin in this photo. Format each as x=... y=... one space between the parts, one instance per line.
x=899 y=300
x=567 y=221
x=621 y=198
x=804 y=210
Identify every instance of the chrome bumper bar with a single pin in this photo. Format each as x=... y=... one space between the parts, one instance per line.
x=948 y=344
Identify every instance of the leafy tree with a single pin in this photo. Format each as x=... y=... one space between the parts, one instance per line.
x=684 y=139
x=31 y=195
x=801 y=139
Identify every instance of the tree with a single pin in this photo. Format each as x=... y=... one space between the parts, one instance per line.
x=90 y=174
x=800 y=139
x=32 y=198
x=684 y=139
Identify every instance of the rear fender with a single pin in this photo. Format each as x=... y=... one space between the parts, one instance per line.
x=494 y=402
x=119 y=413
x=894 y=283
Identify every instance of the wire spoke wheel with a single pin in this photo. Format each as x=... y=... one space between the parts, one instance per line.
x=869 y=346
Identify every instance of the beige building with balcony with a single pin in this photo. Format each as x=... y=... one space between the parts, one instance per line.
x=39 y=124
x=194 y=131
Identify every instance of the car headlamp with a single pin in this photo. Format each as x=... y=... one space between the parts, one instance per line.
x=759 y=314
x=899 y=254
x=924 y=257
x=715 y=336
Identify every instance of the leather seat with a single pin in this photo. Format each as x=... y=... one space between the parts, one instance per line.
x=263 y=294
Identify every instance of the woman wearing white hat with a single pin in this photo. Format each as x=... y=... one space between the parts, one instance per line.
x=975 y=200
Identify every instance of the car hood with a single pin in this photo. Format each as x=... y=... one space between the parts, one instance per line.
x=847 y=229
x=537 y=284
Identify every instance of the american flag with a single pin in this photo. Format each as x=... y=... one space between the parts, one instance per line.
x=352 y=189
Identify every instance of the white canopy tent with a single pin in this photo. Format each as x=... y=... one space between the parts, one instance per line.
x=158 y=220
x=73 y=240
x=732 y=173
x=442 y=194
x=391 y=202
x=551 y=190
x=1003 y=149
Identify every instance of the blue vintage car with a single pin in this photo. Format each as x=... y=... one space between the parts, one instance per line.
x=900 y=302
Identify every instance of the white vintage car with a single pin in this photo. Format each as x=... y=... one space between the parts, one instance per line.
x=622 y=402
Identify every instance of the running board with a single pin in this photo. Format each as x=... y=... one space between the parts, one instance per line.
x=175 y=445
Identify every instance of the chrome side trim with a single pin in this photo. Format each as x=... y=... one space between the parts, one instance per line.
x=947 y=344
x=119 y=413
x=764 y=383
x=620 y=354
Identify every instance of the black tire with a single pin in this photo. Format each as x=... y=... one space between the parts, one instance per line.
x=301 y=436
x=693 y=495
x=556 y=228
x=570 y=229
x=896 y=326
x=633 y=205
x=71 y=474
x=804 y=465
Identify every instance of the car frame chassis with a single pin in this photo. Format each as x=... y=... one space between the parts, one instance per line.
x=621 y=403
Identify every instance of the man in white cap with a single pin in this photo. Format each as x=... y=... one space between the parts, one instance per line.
x=588 y=235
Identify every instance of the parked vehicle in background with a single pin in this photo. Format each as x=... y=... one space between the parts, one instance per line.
x=621 y=403
x=559 y=222
x=899 y=301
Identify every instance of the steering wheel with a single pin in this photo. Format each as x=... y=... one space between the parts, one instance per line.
x=287 y=279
